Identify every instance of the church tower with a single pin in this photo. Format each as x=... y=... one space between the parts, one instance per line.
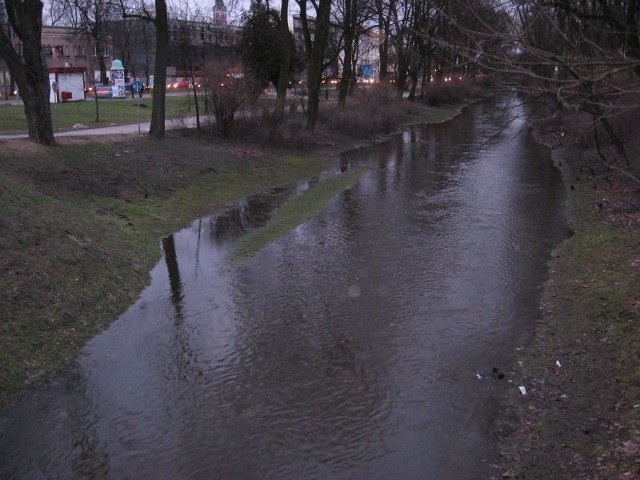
x=219 y=13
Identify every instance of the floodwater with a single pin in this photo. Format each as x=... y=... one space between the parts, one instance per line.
x=348 y=350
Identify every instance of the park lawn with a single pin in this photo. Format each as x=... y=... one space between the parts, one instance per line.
x=110 y=111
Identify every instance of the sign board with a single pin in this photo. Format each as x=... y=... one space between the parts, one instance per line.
x=118 y=77
x=366 y=71
x=137 y=86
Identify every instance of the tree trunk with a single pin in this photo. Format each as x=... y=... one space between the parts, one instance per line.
x=316 y=61
x=29 y=70
x=414 y=87
x=426 y=78
x=35 y=96
x=6 y=86
x=157 y=127
x=285 y=60
x=195 y=97
x=402 y=75
x=383 y=47
x=104 y=78
x=347 y=70
x=97 y=103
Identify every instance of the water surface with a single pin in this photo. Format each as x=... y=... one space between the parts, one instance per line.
x=347 y=350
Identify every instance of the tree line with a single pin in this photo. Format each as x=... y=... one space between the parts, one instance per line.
x=581 y=55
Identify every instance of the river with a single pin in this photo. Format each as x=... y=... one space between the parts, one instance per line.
x=364 y=345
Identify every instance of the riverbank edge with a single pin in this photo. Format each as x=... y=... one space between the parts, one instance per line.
x=580 y=415
x=106 y=283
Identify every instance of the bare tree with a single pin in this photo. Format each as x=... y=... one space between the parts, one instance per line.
x=582 y=56
x=228 y=88
x=354 y=20
x=316 y=50
x=158 y=114
x=21 y=49
x=286 y=47
x=134 y=41
x=188 y=46
x=158 y=16
x=383 y=14
x=55 y=13
x=89 y=18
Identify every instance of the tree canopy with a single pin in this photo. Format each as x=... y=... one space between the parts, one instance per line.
x=260 y=45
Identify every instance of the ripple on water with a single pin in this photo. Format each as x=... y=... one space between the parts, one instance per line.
x=348 y=349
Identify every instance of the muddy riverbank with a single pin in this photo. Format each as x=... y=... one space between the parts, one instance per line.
x=580 y=418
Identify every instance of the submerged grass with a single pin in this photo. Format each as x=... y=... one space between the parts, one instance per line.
x=80 y=225
x=76 y=252
x=295 y=212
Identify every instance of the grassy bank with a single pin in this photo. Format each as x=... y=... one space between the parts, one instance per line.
x=81 y=224
x=581 y=417
x=109 y=111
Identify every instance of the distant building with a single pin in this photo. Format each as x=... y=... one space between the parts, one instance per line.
x=219 y=13
x=64 y=47
x=191 y=44
x=71 y=58
x=73 y=62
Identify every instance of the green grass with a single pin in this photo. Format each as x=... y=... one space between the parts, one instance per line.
x=110 y=111
x=591 y=307
x=73 y=260
x=295 y=212
x=209 y=193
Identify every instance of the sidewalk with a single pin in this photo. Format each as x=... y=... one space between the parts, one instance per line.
x=142 y=128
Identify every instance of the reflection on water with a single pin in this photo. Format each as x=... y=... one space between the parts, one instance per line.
x=346 y=350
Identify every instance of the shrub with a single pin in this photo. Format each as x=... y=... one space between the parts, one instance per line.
x=261 y=125
x=441 y=92
x=227 y=89
x=368 y=112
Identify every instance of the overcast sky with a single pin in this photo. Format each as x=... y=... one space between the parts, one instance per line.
x=234 y=7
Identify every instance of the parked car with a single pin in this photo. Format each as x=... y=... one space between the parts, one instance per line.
x=179 y=85
x=101 y=91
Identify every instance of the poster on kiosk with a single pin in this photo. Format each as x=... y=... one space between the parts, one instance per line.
x=117 y=79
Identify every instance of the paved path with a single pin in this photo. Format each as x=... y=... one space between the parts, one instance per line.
x=142 y=128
